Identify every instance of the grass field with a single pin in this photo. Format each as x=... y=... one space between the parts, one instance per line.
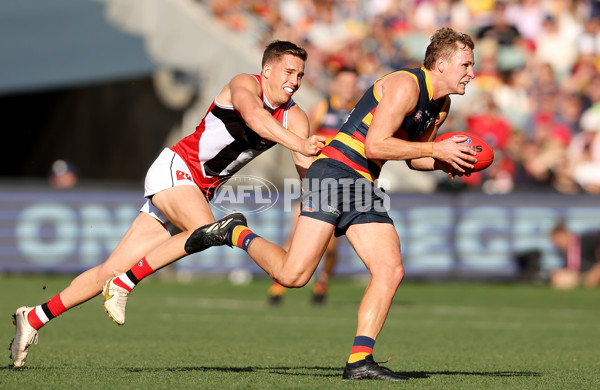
x=210 y=334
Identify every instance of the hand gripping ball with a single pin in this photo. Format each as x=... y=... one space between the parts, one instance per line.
x=485 y=153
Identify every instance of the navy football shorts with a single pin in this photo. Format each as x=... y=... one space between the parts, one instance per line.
x=334 y=193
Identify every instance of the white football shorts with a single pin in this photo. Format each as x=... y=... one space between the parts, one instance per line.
x=168 y=170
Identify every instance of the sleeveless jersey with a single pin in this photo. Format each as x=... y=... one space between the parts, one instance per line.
x=332 y=121
x=222 y=144
x=348 y=146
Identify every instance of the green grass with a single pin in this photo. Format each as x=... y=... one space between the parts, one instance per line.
x=210 y=334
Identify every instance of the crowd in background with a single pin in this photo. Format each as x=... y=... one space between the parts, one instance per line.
x=536 y=95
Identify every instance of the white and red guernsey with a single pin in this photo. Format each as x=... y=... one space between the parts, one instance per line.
x=222 y=144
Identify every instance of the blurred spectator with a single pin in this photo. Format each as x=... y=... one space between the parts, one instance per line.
x=562 y=178
x=593 y=92
x=327 y=32
x=595 y=5
x=513 y=98
x=481 y=10
x=582 y=77
x=542 y=84
x=230 y=13
x=581 y=254
x=528 y=16
x=487 y=76
x=551 y=41
x=510 y=51
x=429 y=15
x=63 y=175
x=328 y=114
x=500 y=30
x=546 y=149
x=570 y=16
x=584 y=152
x=517 y=153
x=489 y=123
x=570 y=110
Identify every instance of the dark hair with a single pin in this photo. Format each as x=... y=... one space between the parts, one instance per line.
x=345 y=69
x=277 y=49
x=444 y=44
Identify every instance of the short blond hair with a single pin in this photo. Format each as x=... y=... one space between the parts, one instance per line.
x=444 y=43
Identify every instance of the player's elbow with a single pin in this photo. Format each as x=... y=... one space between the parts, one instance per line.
x=372 y=150
x=252 y=121
x=254 y=118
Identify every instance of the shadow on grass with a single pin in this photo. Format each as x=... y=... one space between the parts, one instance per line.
x=315 y=371
x=331 y=371
x=427 y=374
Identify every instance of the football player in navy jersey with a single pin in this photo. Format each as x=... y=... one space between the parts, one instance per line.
x=397 y=118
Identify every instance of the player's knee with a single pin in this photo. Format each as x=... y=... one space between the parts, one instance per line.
x=399 y=274
x=390 y=274
x=295 y=280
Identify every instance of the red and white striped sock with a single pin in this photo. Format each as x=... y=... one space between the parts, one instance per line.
x=43 y=313
x=131 y=278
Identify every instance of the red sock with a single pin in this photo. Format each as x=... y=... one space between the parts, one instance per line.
x=43 y=313
x=129 y=279
x=142 y=269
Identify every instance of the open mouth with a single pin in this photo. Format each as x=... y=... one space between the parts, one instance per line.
x=288 y=89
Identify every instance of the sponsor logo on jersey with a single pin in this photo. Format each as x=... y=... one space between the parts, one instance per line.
x=418 y=116
x=183 y=176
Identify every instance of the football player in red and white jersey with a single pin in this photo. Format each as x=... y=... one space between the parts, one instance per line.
x=249 y=115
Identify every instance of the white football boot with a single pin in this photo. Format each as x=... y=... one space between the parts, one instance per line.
x=25 y=336
x=115 y=300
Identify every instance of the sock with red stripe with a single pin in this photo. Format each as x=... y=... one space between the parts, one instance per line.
x=43 y=313
x=363 y=347
x=242 y=236
x=131 y=278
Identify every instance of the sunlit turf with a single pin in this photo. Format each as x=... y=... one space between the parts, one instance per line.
x=211 y=334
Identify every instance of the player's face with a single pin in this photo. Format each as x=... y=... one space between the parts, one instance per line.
x=460 y=70
x=284 y=77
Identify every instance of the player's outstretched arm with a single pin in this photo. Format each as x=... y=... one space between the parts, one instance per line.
x=298 y=123
x=245 y=95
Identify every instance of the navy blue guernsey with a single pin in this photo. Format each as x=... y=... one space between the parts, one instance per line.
x=348 y=146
